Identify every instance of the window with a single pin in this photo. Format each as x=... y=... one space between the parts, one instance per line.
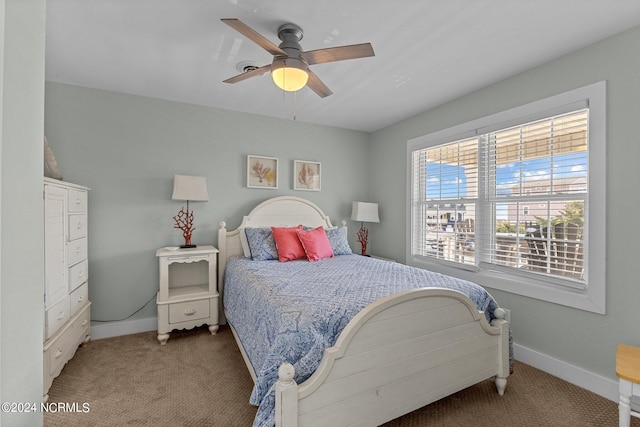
x=504 y=200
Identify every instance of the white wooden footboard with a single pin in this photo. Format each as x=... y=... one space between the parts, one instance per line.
x=397 y=355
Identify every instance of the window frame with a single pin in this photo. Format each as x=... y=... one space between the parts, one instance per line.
x=593 y=297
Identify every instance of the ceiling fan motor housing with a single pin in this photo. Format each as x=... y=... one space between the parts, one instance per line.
x=291 y=34
x=290 y=72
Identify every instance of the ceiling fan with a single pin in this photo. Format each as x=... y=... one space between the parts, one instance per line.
x=290 y=67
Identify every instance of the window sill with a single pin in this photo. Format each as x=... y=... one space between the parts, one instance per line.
x=588 y=300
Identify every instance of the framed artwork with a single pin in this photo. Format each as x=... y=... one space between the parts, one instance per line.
x=262 y=172
x=306 y=175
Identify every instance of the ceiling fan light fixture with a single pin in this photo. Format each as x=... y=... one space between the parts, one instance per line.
x=290 y=66
x=289 y=74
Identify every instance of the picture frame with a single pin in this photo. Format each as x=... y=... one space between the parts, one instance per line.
x=307 y=175
x=262 y=172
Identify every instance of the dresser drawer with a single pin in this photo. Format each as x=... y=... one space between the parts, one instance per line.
x=56 y=316
x=79 y=298
x=63 y=346
x=77 y=250
x=81 y=326
x=77 y=200
x=77 y=226
x=57 y=352
x=186 y=311
x=78 y=274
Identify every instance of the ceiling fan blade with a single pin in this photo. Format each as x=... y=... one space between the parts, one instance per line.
x=248 y=74
x=339 y=53
x=316 y=85
x=254 y=36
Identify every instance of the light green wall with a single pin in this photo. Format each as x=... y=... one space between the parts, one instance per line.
x=582 y=339
x=22 y=23
x=127 y=148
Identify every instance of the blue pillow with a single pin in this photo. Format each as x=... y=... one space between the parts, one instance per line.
x=261 y=243
x=338 y=239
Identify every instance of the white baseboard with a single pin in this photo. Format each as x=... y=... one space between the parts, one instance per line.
x=101 y=330
x=603 y=386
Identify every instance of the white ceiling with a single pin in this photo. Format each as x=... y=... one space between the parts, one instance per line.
x=428 y=52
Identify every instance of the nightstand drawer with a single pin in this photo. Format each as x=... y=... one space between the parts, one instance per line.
x=186 y=311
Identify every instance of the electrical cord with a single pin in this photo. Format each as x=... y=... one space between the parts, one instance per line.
x=130 y=316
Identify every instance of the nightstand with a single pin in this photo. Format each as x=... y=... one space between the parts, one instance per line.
x=188 y=295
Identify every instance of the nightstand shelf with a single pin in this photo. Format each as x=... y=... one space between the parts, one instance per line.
x=188 y=291
x=188 y=294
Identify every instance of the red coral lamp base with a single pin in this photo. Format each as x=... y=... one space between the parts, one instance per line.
x=187 y=243
x=184 y=221
x=363 y=237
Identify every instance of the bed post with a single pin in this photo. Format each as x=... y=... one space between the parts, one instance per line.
x=503 y=350
x=286 y=391
x=222 y=264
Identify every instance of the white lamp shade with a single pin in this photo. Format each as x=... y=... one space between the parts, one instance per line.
x=191 y=188
x=365 y=212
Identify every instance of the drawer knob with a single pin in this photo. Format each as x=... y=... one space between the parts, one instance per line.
x=79 y=226
x=78 y=249
x=190 y=311
x=84 y=322
x=59 y=353
x=61 y=315
x=80 y=273
x=78 y=201
x=80 y=298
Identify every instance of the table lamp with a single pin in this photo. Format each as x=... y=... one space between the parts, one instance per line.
x=364 y=212
x=189 y=188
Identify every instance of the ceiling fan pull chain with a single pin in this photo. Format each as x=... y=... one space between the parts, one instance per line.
x=295 y=105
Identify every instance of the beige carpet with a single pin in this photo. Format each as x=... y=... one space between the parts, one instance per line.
x=199 y=380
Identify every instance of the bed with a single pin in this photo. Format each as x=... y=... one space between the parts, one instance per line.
x=347 y=339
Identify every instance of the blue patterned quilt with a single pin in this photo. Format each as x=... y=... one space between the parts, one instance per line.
x=292 y=311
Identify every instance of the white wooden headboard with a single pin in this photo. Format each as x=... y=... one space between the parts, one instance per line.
x=284 y=211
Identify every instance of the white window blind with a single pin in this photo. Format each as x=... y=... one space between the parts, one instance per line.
x=512 y=199
x=445 y=197
x=543 y=166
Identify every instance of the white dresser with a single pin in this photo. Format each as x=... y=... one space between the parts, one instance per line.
x=67 y=317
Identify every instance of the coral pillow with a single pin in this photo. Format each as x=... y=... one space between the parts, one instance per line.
x=316 y=244
x=287 y=243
